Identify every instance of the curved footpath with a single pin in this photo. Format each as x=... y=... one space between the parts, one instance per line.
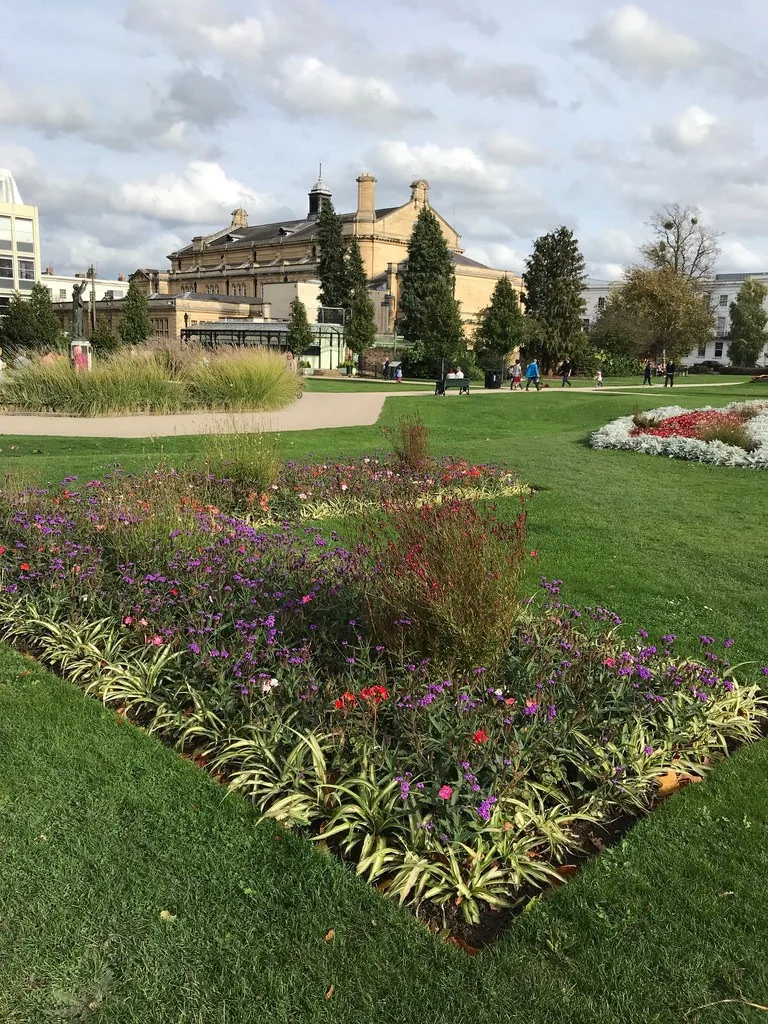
x=315 y=410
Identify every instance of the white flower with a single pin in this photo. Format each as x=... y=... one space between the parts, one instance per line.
x=618 y=435
x=303 y=496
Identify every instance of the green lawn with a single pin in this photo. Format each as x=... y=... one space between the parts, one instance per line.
x=101 y=829
x=339 y=384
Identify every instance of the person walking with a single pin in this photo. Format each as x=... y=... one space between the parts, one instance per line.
x=517 y=376
x=399 y=375
x=532 y=375
x=669 y=374
x=565 y=373
x=648 y=374
x=599 y=379
x=385 y=369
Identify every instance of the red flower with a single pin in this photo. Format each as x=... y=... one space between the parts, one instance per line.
x=374 y=693
x=2 y=550
x=534 y=554
x=25 y=567
x=481 y=736
x=346 y=698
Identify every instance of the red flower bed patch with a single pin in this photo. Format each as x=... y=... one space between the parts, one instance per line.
x=690 y=424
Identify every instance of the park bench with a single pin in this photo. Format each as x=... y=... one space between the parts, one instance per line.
x=460 y=384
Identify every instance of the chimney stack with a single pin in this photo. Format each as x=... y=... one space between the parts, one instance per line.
x=366 y=199
x=420 y=193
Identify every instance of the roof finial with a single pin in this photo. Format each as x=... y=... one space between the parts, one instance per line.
x=321 y=170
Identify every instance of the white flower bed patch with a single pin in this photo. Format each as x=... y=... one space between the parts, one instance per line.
x=617 y=434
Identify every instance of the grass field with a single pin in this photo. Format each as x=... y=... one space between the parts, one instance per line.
x=101 y=829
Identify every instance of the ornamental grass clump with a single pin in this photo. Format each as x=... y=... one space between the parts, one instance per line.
x=239 y=380
x=444 y=581
x=410 y=441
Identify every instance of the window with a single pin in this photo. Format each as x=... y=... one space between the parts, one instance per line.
x=62 y=294
x=5 y=232
x=25 y=236
x=601 y=302
x=4 y=304
x=703 y=349
x=723 y=300
x=585 y=324
x=718 y=349
x=6 y=267
x=26 y=270
x=721 y=325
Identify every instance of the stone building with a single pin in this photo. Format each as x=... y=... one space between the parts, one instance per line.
x=240 y=260
x=19 y=242
x=170 y=314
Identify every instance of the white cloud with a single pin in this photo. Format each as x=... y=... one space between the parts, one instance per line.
x=484 y=76
x=506 y=147
x=502 y=257
x=737 y=257
x=445 y=165
x=307 y=85
x=638 y=46
x=200 y=194
x=697 y=129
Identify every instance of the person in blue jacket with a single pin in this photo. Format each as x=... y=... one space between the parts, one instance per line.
x=532 y=375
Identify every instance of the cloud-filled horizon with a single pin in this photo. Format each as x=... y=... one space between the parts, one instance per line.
x=147 y=121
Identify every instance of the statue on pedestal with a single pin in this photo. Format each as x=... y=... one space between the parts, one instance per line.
x=77 y=309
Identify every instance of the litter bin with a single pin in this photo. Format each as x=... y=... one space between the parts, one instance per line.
x=493 y=379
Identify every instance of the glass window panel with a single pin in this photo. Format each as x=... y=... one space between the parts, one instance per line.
x=26 y=270
x=6 y=267
x=5 y=229
x=24 y=230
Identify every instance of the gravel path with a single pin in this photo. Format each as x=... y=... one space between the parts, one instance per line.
x=315 y=410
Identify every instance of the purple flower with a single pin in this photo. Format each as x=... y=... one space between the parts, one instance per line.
x=669 y=638
x=728 y=643
x=484 y=810
x=551 y=712
x=647 y=750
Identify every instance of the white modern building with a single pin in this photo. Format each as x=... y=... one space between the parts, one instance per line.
x=722 y=288
x=60 y=286
x=19 y=242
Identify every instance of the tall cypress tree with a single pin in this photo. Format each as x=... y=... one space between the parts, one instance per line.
x=429 y=268
x=135 y=326
x=748 y=322
x=554 y=279
x=300 y=335
x=442 y=332
x=361 y=328
x=47 y=327
x=331 y=266
x=502 y=326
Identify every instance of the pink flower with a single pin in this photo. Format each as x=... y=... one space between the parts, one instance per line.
x=445 y=792
x=143 y=622
x=155 y=640
x=306 y=599
x=128 y=621
x=610 y=662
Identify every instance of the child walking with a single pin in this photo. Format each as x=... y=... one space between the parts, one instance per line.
x=599 y=379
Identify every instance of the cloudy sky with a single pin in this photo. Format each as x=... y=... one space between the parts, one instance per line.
x=134 y=124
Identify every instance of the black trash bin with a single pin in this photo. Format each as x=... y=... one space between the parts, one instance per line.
x=493 y=379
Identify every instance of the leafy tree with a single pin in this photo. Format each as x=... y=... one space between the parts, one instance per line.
x=655 y=314
x=442 y=332
x=47 y=327
x=300 y=335
x=18 y=328
x=135 y=326
x=748 y=320
x=502 y=326
x=361 y=328
x=104 y=340
x=332 y=266
x=681 y=242
x=429 y=269
x=554 y=279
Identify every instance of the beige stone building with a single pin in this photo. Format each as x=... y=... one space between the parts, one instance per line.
x=241 y=260
x=170 y=314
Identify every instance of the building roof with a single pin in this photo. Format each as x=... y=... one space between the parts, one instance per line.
x=458 y=259
x=305 y=228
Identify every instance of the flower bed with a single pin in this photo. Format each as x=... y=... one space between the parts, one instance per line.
x=693 y=434
x=396 y=699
